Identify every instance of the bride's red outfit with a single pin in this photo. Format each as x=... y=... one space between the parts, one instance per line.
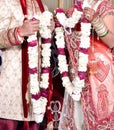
x=95 y=111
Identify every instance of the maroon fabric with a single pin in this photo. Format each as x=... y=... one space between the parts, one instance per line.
x=25 y=67
x=58 y=94
x=41 y=6
x=25 y=74
x=50 y=92
x=24 y=7
x=16 y=125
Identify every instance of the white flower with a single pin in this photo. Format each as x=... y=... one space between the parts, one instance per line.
x=77 y=83
x=69 y=88
x=86 y=4
x=59 y=30
x=60 y=39
x=44 y=82
x=46 y=52
x=85 y=42
x=65 y=80
x=39 y=106
x=34 y=89
x=76 y=15
x=83 y=59
x=74 y=88
x=59 y=36
x=85 y=29
x=45 y=32
x=70 y=22
x=32 y=37
x=62 y=18
x=76 y=96
x=45 y=19
x=63 y=67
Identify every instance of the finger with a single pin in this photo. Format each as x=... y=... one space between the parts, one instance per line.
x=26 y=21
x=87 y=16
x=35 y=29
x=35 y=22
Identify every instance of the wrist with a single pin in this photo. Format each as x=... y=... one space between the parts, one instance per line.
x=19 y=34
x=19 y=31
x=100 y=27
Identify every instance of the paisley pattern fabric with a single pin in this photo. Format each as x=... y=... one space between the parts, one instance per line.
x=97 y=98
x=95 y=111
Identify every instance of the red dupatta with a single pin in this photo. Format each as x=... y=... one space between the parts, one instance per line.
x=25 y=67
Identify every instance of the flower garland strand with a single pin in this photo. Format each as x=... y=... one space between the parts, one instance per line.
x=68 y=23
x=38 y=89
x=74 y=88
x=79 y=80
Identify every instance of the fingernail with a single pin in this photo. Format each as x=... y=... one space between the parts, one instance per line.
x=34 y=19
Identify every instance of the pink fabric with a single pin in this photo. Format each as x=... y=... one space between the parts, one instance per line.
x=105 y=8
x=98 y=98
x=16 y=125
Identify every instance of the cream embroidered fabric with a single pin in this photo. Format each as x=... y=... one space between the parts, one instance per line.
x=10 y=77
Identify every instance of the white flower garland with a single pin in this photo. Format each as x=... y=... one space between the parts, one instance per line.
x=74 y=88
x=68 y=22
x=38 y=88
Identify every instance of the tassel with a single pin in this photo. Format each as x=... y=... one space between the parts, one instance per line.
x=25 y=75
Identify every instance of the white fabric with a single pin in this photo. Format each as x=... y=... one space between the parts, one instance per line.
x=72 y=115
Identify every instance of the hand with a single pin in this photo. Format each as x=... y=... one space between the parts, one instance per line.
x=29 y=27
x=89 y=13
